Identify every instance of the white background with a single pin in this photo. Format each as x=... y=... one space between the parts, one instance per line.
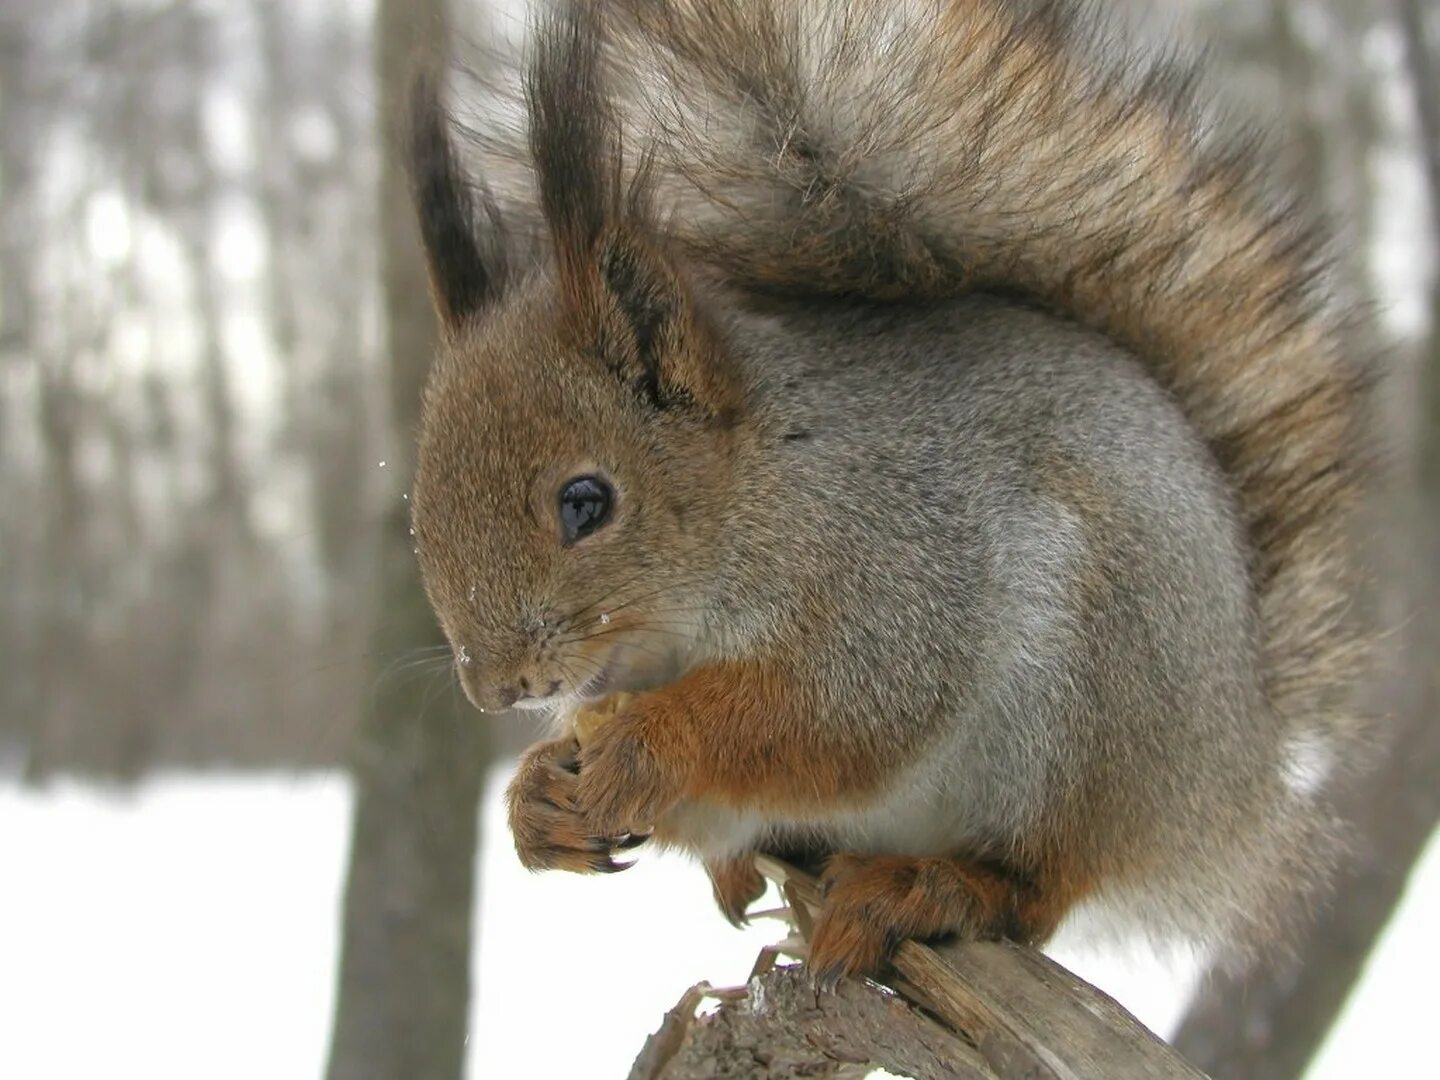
x=188 y=928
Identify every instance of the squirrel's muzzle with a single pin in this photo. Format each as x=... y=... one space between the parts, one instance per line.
x=490 y=690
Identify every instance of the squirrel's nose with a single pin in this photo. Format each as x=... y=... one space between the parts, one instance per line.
x=481 y=691
x=487 y=698
x=526 y=692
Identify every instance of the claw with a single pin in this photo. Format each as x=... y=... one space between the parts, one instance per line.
x=826 y=981
x=739 y=921
x=630 y=840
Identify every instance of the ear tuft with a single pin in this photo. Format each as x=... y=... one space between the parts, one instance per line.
x=628 y=303
x=572 y=139
x=467 y=267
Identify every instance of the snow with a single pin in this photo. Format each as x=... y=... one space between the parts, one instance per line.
x=188 y=927
x=1386 y=1026
x=624 y=946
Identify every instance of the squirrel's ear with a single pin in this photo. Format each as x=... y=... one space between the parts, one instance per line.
x=467 y=269
x=646 y=330
x=627 y=302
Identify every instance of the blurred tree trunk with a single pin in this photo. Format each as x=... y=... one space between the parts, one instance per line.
x=404 y=983
x=17 y=154
x=1270 y=1022
x=327 y=386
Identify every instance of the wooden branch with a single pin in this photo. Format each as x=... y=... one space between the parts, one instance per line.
x=782 y=1028
x=968 y=1010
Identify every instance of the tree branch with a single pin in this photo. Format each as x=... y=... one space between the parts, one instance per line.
x=970 y=1010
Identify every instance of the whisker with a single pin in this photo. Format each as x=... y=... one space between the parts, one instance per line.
x=668 y=586
x=411 y=657
x=641 y=597
x=607 y=631
x=434 y=692
x=569 y=672
x=400 y=675
x=603 y=597
x=640 y=645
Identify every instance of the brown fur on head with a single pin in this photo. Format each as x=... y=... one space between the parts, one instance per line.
x=596 y=364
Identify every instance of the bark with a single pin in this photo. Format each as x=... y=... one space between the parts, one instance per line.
x=973 y=1010
x=404 y=984
x=781 y=1028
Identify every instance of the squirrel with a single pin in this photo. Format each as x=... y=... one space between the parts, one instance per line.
x=938 y=423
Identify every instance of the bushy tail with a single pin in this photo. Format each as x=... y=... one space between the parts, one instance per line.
x=901 y=148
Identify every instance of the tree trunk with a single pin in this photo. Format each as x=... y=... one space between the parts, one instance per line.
x=404 y=983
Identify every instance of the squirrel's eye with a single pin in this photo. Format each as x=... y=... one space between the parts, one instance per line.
x=584 y=506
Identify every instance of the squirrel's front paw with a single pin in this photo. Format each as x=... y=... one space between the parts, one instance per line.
x=550 y=831
x=623 y=788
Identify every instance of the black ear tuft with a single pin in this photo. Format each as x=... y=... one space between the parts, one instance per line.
x=467 y=269
x=629 y=305
x=572 y=137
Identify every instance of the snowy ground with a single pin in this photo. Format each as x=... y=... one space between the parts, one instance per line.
x=188 y=929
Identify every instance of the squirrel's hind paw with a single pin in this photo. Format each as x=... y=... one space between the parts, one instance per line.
x=873 y=903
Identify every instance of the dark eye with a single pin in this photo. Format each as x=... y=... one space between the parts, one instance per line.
x=584 y=506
